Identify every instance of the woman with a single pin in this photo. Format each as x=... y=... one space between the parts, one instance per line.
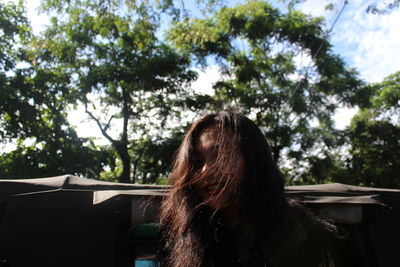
x=227 y=205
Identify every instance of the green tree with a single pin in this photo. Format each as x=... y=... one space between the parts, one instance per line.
x=279 y=69
x=33 y=115
x=374 y=136
x=117 y=64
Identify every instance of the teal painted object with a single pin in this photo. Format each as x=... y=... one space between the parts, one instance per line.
x=145 y=263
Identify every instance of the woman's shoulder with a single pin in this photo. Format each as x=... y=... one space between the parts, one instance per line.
x=305 y=241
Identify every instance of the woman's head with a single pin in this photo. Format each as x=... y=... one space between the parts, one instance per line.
x=218 y=166
x=224 y=160
x=212 y=156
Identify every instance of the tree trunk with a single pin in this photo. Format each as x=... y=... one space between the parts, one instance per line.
x=126 y=169
x=123 y=153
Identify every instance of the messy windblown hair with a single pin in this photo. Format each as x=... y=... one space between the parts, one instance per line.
x=188 y=224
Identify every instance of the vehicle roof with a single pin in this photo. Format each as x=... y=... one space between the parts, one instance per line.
x=322 y=193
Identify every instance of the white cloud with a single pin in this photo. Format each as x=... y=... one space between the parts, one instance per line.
x=32 y=12
x=377 y=51
x=343 y=117
x=314 y=7
x=206 y=80
x=367 y=42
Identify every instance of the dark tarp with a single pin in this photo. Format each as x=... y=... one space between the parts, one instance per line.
x=370 y=215
x=53 y=222
x=71 y=221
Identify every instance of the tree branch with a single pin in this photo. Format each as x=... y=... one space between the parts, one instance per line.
x=102 y=129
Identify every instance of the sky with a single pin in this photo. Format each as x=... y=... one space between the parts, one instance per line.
x=367 y=42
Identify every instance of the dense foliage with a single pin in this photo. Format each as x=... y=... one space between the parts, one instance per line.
x=374 y=136
x=33 y=115
x=130 y=65
x=278 y=69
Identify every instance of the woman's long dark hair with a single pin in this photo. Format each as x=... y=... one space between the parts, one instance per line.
x=260 y=196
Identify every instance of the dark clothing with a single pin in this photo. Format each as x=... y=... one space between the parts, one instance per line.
x=226 y=252
x=305 y=242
